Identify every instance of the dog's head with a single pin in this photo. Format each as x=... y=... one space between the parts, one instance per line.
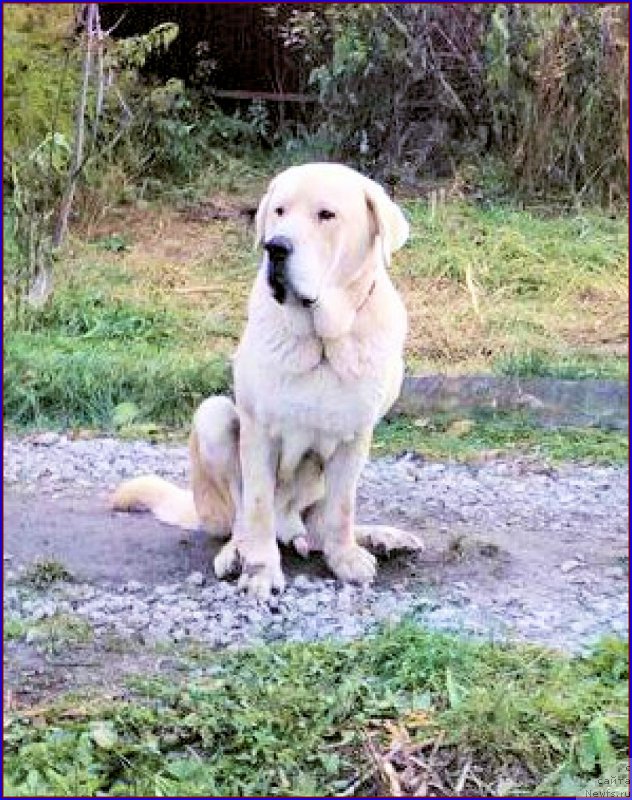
x=325 y=230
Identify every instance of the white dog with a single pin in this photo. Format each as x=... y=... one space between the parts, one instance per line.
x=320 y=362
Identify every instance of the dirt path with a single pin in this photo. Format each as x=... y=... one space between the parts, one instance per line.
x=514 y=549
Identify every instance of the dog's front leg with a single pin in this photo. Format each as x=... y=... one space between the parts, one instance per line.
x=254 y=535
x=330 y=522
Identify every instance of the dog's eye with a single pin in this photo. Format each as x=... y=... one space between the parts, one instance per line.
x=324 y=215
x=279 y=211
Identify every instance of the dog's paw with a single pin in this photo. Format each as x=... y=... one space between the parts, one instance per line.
x=290 y=527
x=384 y=538
x=260 y=576
x=354 y=564
x=226 y=562
x=261 y=581
x=306 y=544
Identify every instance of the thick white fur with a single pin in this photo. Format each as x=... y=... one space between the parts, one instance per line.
x=310 y=385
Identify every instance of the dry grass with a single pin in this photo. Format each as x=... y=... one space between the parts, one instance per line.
x=480 y=285
x=203 y=270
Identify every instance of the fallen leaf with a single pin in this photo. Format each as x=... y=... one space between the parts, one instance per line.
x=460 y=427
x=104 y=735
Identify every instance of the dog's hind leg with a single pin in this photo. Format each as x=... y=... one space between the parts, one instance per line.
x=293 y=499
x=215 y=471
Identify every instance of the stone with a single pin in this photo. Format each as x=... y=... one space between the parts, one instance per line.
x=196 y=579
x=45 y=439
x=571 y=564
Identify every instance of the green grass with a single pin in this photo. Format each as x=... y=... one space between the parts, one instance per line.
x=54 y=634
x=149 y=308
x=481 y=284
x=301 y=719
x=540 y=364
x=58 y=381
x=118 y=365
x=446 y=438
x=515 y=250
x=13 y=628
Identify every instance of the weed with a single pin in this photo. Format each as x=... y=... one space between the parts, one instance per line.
x=13 y=628
x=57 y=633
x=115 y=243
x=42 y=574
x=51 y=634
x=296 y=719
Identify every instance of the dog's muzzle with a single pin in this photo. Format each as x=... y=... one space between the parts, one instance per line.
x=279 y=250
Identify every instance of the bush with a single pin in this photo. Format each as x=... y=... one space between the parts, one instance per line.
x=412 y=91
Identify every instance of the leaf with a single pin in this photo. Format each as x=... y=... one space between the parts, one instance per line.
x=114 y=243
x=124 y=414
x=455 y=692
x=586 y=756
x=460 y=427
x=601 y=742
x=143 y=431
x=330 y=762
x=571 y=786
x=104 y=735
x=422 y=701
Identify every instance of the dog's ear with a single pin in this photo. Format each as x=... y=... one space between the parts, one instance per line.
x=390 y=223
x=260 y=216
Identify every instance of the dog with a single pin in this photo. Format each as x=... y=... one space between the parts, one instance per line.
x=319 y=363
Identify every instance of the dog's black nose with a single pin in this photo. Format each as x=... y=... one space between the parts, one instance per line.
x=278 y=248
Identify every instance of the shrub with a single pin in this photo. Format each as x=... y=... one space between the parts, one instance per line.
x=412 y=91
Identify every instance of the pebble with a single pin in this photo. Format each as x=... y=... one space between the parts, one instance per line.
x=573 y=505
x=196 y=579
x=302 y=582
x=615 y=573
x=44 y=439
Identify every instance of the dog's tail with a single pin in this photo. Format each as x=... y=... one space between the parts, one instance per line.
x=166 y=501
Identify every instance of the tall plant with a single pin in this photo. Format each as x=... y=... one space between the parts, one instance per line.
x=43 y=179
x=411 y=91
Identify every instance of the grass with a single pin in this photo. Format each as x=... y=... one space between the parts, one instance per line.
x=42 y=574
x=538 y=364
x=13 y=628
x=481 y=284
x=328 y=719
x=60 y=381
x=444 y=438
x=150 y=303
x=53 y=634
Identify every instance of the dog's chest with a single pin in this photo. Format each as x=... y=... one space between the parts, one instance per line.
x=320 y=402
x=334 y=388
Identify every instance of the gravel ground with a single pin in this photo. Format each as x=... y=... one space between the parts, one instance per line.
x=515 y=549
